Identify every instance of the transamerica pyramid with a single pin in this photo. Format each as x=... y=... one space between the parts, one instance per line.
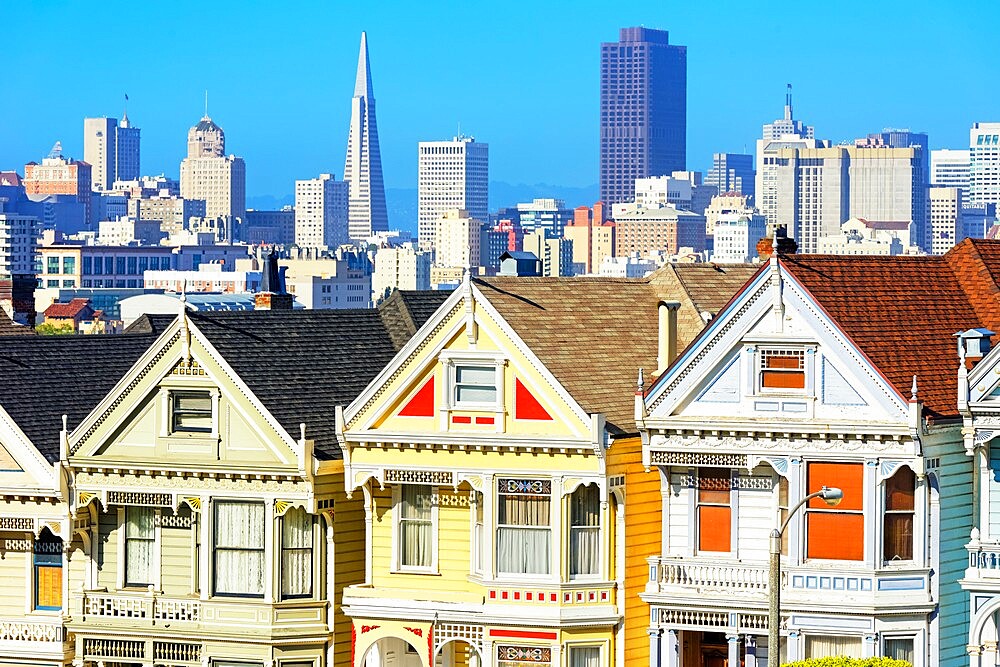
x=363 y=166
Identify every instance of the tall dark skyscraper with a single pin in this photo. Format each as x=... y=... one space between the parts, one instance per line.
x=643 y=110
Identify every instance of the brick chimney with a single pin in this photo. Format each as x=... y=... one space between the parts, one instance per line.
x=272 y=295
x=776 y=242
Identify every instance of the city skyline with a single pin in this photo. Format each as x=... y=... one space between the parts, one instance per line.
x=425 y=94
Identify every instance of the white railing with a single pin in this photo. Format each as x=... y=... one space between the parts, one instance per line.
x=141 y=607
x=671 y=572
x=984 y=560
x=20 y=631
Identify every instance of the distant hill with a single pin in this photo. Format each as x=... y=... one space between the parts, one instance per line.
x=402 y=202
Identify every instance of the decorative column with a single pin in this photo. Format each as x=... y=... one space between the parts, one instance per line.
x=870 y=647
x=205 y=550
x=489 y=529
x=558 y=505
x=270 y=578
x=655 y=659
x=990 y=653
x=975 y=655
x=671 y=648
x=733 y=645
x=750 y=653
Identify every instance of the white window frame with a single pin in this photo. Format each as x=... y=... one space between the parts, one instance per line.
x=167 y=411
x=593 y=576
x=280 y=560
x=397 y=543
x=783 y=351
x=453 y=360
x=600 y=646
x=552 y=527
x=910 y=636
x=157 y=582
x=212 y=548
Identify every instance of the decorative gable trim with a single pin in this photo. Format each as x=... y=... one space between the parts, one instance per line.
x=26 y=455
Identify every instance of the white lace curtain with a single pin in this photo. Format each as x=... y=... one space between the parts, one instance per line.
x=585 y=531
x=585 y=656
x=524 y=539
x=140 y=540
x=415 y=526
x=239 y=548
x=296 y=553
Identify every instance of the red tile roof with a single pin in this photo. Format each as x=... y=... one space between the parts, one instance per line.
x=902 y=312
x=67 y=310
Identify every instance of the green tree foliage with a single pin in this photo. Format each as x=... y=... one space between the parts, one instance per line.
x=49 y=329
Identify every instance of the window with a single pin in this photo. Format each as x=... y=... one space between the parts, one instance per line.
x=524 y=539
x=782 y=369
x=416 y=526
x=191 y=412
x=783 y=512
x=821 y=646
x=296 y=554
x=584 y=531
x=52 y=265
x=47 y=563
x=585 y=656
x=898 y=520
x=475 y=384
x=239 y=548
x=836 y=532
x=898 y=648
x=69 y=265
x=714 y=512
x=140 y=541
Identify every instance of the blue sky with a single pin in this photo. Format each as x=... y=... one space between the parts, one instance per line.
x=520 y=75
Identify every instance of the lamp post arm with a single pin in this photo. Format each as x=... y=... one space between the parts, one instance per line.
x=795 y=509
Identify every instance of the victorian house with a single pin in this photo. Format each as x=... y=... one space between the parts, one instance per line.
x=485 y=458
x=189 y=508
x=838 y=372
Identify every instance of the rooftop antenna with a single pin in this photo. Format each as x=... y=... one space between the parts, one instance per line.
x=788 y=101
x=206 y=103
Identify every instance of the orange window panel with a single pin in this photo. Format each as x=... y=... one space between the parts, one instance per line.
x=783 y=379
x=849 y=477
x=714 y=524
x=835 y=536
x=49 y=581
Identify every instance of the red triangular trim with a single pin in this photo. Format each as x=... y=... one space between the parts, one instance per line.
x=422 y=403
x=526 y=406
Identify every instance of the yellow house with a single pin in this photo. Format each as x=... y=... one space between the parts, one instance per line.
x=481 y=455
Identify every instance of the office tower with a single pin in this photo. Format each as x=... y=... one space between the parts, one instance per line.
x=555 y=255
x=18 y=270
x=785 y=132
x=207 y=173
x=945 y=219
x=403 y=268
x=172 y=212
x=736 y=233
x=270 y=227
x=321 y=212
x=816 y=189
x=950 y=169
x=643 y=110
x=660 y=229
x=112 y=150
x=451 y=175
x=722 y=205
x=984 y=164
x=127 y=151
x=549 y=215
x=593 y=240
x=732 y=172
x=457 y=236
x=363 y=165
x=57 y=175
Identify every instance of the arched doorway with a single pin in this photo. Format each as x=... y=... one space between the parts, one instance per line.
x=458 y=653
x=392 y=652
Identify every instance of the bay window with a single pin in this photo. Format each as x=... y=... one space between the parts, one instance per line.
x=239 y=548
x=584 y=531
x=897 y=536
x=140 y=542
x=714 y=510
x=524 y=536
x=836 y=532
x=416 y=526
x=296 y=554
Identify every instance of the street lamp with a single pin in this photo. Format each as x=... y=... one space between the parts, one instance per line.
x=832 y=497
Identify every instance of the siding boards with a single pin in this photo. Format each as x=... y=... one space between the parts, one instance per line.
x=757 y=512
x=957 y=509
x=16 y=591
x=642 y=537
x=678 y=530
x=107 y=549
x=349 y=566
x=177 y=567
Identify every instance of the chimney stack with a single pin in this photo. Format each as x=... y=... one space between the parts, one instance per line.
x=776 y=242
x=666 y=349
x=272 y=295
x=973 y=345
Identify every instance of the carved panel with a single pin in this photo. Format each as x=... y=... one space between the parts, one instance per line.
x=419 y=476
x=524 y=487
x=140 y=498
x=17 y=523
x=532 y=654
x=698 y=459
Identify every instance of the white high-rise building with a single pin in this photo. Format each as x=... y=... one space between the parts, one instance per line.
x=950 y=169
x=736 y=235
x=363 y=166
x=451 y=175
x=207 y=173
x=457 y=240
x=787 y=125
x=112 y=150
x=321 y=210
x=946 y=218
x=405 y=267
x=785 y=132
x=18 y=243
x=984 y=164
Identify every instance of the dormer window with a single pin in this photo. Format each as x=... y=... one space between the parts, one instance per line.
x=782 y=369
x=475 y=384
x=191 y=412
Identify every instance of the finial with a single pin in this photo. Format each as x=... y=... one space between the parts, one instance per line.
x=65 y=419
x=641 y=382
x=302 y=431
x=913 y=389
